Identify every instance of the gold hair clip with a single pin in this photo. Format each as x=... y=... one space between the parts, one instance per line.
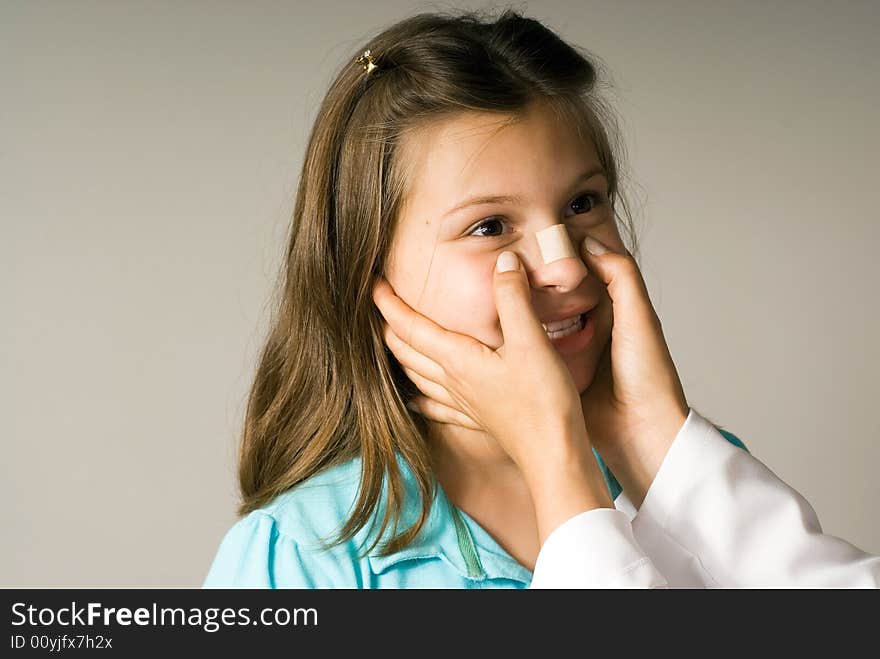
x=367 y=61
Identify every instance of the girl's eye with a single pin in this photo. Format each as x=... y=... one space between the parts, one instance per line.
x=594 y=201
x=489 y=223
x=487 y=228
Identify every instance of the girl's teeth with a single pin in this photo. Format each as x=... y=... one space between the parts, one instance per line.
x=558 y=325
x=571 y=329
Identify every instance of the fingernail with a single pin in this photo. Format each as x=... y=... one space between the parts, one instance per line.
x=594 y=247
x=507 y=261
x=411 y=406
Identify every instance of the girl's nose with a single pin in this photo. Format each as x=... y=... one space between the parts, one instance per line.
x=560 y=265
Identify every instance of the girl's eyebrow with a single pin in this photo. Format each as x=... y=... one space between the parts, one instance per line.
x=481 y=200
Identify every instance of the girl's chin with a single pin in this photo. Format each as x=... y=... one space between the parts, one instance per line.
x=583 y=367
x=583 y=378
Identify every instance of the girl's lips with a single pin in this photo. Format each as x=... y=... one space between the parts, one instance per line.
x=574 y=343
x=565 y=315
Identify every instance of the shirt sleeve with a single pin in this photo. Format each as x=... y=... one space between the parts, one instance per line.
x=255 y=554
x=595 y=549
x=741 y=523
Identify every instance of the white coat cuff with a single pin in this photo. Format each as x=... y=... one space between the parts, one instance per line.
x=694 y=455
x=594 y=549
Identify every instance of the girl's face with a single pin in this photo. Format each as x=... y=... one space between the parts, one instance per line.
x=442 y=260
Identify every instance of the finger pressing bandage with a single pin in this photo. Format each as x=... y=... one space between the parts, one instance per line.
x=554 y=243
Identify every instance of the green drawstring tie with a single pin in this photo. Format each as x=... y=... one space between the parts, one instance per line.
x=466 y=546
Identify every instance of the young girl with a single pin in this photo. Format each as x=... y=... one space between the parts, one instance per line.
x=466 y=384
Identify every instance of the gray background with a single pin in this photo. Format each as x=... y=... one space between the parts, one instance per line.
x=148 y=161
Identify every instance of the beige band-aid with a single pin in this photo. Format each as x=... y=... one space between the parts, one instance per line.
x=555 y=244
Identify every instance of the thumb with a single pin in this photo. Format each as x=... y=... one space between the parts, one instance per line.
x=623 y=278
x=519 y=323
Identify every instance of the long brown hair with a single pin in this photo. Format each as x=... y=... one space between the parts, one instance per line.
x=326 y=389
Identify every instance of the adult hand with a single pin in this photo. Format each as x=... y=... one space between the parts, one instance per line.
x=486 y=389
x=541 y=427
x=635 y=405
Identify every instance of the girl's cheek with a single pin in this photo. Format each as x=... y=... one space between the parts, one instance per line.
x=464 y=297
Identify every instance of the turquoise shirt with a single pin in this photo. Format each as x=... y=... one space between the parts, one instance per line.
x=278 y=545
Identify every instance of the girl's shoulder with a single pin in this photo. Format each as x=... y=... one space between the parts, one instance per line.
x=289 y=542
x=314 y=509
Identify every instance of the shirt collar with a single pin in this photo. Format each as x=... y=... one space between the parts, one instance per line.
x=440 y=537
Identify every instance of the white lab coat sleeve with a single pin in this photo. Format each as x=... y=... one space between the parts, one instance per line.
x=716 y=516
x=595 y=549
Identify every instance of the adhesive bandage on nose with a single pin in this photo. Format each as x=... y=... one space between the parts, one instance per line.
x=555 y=244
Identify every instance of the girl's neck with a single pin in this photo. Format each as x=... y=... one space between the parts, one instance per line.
x=479 y=478
x=465 y=458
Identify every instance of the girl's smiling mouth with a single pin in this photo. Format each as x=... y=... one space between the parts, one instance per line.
x=574 y=337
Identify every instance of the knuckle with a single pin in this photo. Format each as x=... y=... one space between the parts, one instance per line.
x=454 y=366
